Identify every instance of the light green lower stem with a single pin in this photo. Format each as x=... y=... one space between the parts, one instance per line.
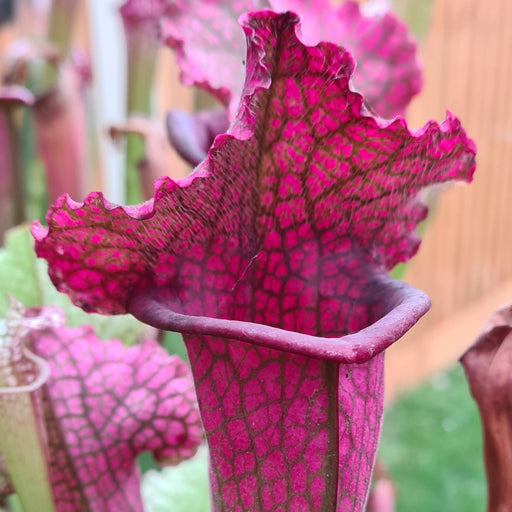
x=60 y=29
x=14 y=504
x=141 y=52
x=20 y=444
x=135 y=151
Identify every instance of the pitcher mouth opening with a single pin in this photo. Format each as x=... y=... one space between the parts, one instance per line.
x=403 y=306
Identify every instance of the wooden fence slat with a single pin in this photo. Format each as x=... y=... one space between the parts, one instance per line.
x=466 y=252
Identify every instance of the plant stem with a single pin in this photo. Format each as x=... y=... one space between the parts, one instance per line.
x=140 y=79
x=14 y=504
x=141 y=25
x=20 y=443
x=60 y=29
x=17 y=181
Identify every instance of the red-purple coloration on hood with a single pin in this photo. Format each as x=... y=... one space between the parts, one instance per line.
x=209 y=45
x=388 y=73
x=103 y=404
x=271 y=257
x=210 y=49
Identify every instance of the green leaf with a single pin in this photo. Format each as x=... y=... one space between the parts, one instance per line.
x=18 y=274
x=415 y=14
x=25 y=277
x=14 y=504
x=182 y=488
x=173 y=343
x=432 y=447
